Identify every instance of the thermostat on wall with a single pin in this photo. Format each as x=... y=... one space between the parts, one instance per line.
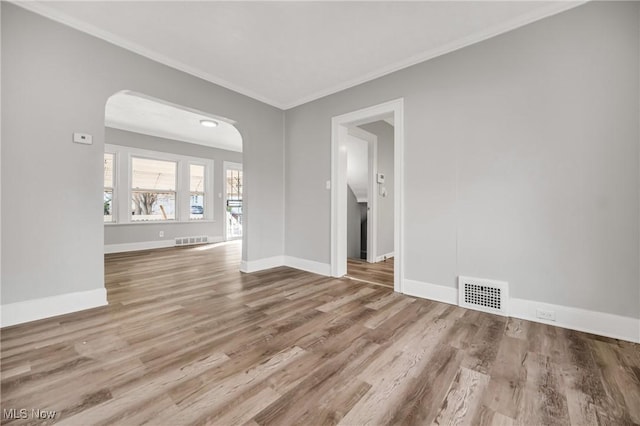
x=380 y=178
x=84 y=138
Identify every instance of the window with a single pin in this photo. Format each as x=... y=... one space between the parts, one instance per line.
x=153 y=189
x=156 y=186
x=196 y=188
x=108 y=187
x=234 y=202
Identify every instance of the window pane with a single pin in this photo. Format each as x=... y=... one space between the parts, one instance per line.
x=197 y=206
x=108 y=170
x=196 y=178
x=149 y=206
x=234 y=184
x=153 y=174
x=108 y=205
x=196 y=186
x=234 y=203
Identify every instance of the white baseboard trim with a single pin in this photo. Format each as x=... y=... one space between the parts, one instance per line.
x=249 y=266
x=149 y=245
x=290 y=261
x=439 y=293
x=600 y=323
x=603 y=324
x=308 y=265
x=381 y=258
x=143 y=245
x=31 y=310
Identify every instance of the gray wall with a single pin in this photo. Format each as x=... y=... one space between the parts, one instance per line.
x=55 y=81
x=521 y=161
x=133 y=233
x=354 y=220
x=385 y=223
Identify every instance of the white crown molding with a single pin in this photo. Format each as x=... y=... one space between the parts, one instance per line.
x=552 y=9
x=46 y=307
x=62 y=18
x=51 y=13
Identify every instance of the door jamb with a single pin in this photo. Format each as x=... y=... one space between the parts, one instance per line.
x=338 y=185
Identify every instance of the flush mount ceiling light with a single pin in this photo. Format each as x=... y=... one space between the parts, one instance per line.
x=209 y=123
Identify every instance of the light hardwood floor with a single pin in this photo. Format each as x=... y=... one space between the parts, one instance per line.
x=187 y=339
x=376 y=273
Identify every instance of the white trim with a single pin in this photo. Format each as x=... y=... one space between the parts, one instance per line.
x=338 y=184
x=439 y=293
x=142 y=245
x=55 y=15
x=123 y=184
x=552 y=9
x=383 y=256
x=51 y=13
x=249 y=266
x=601 y=323
x=308 y=265
x=290 y=261
x=158 y=222
x=150 y=245
x=35 y=309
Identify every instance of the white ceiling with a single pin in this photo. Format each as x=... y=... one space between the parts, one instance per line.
x=289 y=53
x=142 y=114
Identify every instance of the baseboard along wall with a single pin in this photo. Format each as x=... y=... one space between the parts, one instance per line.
x=46 y=307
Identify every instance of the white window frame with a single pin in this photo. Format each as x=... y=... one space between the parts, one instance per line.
x=161 y=191
x=114 y=171
x=121 y=202
x=208 y=177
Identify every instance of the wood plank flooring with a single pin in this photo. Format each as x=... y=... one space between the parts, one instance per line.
x=376 y=273
x=187 y=339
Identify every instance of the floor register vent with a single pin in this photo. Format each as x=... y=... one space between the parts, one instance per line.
x=483 y=295
x=187 y=241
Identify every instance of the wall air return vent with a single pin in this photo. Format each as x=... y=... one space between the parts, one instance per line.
x=187 y=241
x=483 y=295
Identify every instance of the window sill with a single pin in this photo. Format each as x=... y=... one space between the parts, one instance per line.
x=159 y=222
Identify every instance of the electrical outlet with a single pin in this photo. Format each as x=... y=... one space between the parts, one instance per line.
x=546 y=315
x=161 y=234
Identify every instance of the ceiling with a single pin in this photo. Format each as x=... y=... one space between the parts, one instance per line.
x=289 y=53
x=138 y=113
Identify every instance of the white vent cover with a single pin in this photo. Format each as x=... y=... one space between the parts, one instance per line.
x=185 y=241
x=483 y=295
